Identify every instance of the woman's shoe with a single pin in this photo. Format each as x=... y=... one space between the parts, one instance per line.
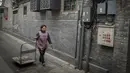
x=43 y=64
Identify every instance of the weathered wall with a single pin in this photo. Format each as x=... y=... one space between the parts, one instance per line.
x=61 y=26
x=122 y=34
x=113 y=60
x=8 y=23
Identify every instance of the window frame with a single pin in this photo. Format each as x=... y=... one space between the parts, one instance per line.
x=25 y=10
x=69 y=10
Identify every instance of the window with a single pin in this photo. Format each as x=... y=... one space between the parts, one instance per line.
x=69 y=5
x=25 y=10
x=15 y=4
x=15 y=12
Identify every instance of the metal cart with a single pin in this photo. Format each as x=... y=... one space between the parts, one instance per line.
x=24 y=57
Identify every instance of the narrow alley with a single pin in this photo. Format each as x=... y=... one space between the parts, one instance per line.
x=10 y=47
x=75 y=36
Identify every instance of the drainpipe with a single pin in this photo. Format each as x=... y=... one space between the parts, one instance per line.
x=81 y=44
x=77 y=34
x=88 y=49
x=77 y=40
x=81 y=47
x=90 y=38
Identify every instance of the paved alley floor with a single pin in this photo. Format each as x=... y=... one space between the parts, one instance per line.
x=10 y=46
x=4 y=67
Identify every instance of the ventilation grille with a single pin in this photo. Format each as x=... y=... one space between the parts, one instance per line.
x=35 y=5
x=45 y=4
x=50 y=4
x=39 y=5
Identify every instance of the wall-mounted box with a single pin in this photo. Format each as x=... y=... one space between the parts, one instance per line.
x=35 y=5
x=101 y=8
x=87 y=14
x=111 y=7
x=50 y=4
x=106 y=35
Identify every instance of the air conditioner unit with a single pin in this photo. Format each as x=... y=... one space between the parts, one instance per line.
x=50 y=4
x=35 y=5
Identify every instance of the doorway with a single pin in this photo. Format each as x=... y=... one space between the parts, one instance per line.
x=15 y=20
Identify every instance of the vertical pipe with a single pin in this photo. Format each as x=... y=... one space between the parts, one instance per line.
x=88 y=50
x=77 y=41
x=81 y=38
x=77 y=34
x=90 y=38
x=81 y=47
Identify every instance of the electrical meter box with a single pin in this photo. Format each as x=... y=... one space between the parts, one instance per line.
x=101 y=9
x=106 y=35
x=87 y=14
x=111 y=7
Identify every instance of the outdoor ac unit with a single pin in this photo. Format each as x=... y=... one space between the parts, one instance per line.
x=35 y=5
x=50 y=4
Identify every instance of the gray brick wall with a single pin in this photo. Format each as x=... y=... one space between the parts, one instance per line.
x=121 y=37
x=61 y=26
x=112 y=59
x=8 y=23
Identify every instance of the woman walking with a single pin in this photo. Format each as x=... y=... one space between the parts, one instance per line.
x=41 y=42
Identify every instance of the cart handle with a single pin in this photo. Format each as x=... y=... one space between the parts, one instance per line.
x=21 y=51
x=23 y=45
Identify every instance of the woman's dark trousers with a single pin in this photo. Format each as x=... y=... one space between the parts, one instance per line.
x=42 y=53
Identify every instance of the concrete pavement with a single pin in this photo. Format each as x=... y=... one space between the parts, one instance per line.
x=4 y=68
x=53 y=64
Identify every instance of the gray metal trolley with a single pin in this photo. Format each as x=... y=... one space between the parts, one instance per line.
x=26 y=55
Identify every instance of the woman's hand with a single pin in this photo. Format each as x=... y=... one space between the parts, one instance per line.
x=51 y=46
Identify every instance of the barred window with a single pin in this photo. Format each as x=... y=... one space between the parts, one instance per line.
x=69 y=5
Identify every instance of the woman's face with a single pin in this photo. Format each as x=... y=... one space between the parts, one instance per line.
x=44 y=28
